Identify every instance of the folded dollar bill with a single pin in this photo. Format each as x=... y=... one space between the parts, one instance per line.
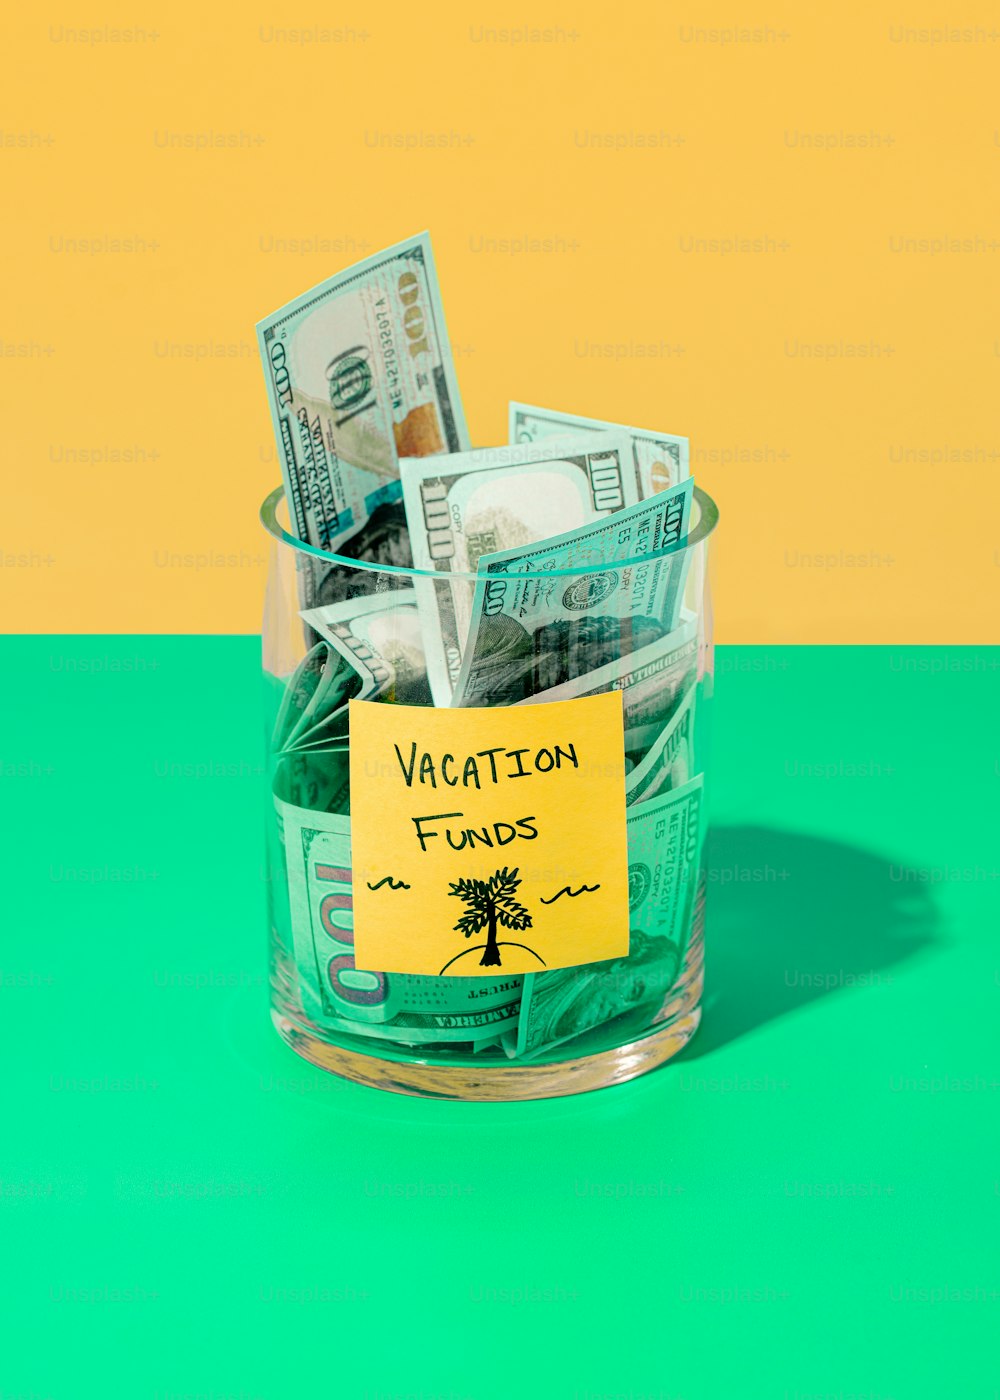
x=298 y=695
x=669 y=762
x=651 y=680
x=468 y=505
x=359 y=373
x=660 y=460
x=339 y=997
x=315 y=779
x=664 y=853
x=536 y=625
x=379 y=635
x=315 y=699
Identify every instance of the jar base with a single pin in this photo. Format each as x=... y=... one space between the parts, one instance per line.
x=498 y=1083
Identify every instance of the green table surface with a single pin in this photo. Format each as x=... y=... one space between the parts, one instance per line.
x=804 y=1204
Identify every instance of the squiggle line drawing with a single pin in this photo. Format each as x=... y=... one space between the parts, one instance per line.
x=584 y=889
x=388 y=880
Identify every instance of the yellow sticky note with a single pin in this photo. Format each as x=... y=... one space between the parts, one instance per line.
x=486 y=840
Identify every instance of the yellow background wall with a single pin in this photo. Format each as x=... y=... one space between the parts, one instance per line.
x=837 y=375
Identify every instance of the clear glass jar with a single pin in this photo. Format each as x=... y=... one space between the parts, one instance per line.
x=416 y=1035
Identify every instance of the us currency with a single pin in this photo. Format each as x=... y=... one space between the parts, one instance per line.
x=670 y=760
x=533 y=627
x=651 y=680
x=298 y=694
x=359 y=372
x=380 y=636
x=338 y=683
x=329 y=737
x=314 y=707
x=383 y=540
x=341 y=998
x=664 y=854
x=467 y=505
x=315 y=779
x=660 y=460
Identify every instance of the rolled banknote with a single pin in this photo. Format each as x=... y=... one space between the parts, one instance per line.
x=469 y=504
x=660 y=460
x=338 y=996
x=664 y=853
x=535 y=626
x=359 y=372
x=381 y=636
x=670 y=760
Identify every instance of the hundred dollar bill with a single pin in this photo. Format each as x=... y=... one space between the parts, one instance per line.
x=661 y=460
x=534 y=627
x=298 y=694
x=470 y=504
x=319 y=780
x=650 y=679
x=359 y=373
x=340 y=997
x=670 y=760
x=338 y=683
x=315 y=698
x=664 y=853
x=380 y=636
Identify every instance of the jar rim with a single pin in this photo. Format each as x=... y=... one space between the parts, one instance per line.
x=708 y=518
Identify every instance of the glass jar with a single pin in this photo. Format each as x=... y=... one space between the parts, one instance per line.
x=456 y=1037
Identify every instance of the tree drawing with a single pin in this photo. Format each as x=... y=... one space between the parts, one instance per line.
x=491 y=903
